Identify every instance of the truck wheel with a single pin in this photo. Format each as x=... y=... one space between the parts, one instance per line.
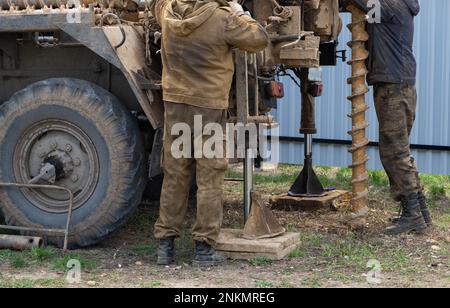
x=97 y=151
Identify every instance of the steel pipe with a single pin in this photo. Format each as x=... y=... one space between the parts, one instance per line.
x=16 y=242
x=248 y=182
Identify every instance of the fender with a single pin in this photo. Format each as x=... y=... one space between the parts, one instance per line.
x=123 y=47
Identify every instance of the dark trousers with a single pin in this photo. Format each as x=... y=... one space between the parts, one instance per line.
x=396 y=111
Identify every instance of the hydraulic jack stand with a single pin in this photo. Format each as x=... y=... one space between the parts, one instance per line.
x=259 y=221
x=307 y=183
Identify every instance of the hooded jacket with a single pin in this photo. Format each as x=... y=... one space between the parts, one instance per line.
x=198 y=37
x=390 y=44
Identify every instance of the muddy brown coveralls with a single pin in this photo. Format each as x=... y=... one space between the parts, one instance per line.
x=197 y=43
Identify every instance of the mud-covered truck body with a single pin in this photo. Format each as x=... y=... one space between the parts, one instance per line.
x=81 y=102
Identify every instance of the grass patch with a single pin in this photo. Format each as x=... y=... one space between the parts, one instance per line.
x=17 y=284
x=347 y=256
x=347 y=249
x=343 y=177
x=437 y=186
x=313 y=282
x=49 y=257
x=28 y=258
x=260 y=261
x=285 y=284
x=145 y=250
x=5 y=255
x=274 y=182
x=49 y=283
x=297 y=253
x=60 y=264
x=143 y=219
x=18 y=262
x=378 y=178
x=395 y=259
x=42 y=254
x=442 y=221
x=29 y=283
x=264 y=284
x=152 y=284
x=284 y=173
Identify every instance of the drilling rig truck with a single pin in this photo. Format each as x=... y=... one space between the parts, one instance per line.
x=81 y=102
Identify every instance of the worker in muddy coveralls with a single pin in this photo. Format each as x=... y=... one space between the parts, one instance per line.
x=198 y=37
x=392 y=72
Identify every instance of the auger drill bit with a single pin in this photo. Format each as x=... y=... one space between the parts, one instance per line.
x=40 y=4
x=35 y=4
x=360 y=176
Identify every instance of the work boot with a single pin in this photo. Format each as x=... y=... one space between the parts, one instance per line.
x=166 y=251
x=207 y=256
x=411 y=219
x=423 y=208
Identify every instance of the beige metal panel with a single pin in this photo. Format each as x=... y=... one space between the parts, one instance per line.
x=131 y=53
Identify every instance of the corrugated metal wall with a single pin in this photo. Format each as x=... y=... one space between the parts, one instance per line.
x=432 y=49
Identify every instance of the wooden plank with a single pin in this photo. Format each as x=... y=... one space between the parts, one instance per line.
x=279 y=255
x=231 y=242
x=288 y=203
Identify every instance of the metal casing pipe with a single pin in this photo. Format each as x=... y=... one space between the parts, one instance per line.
x=17 y=242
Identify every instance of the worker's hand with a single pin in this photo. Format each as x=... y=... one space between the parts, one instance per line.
x=236 y=7
x=343 y=4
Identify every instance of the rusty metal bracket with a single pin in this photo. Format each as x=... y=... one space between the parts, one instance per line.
x=65 y=231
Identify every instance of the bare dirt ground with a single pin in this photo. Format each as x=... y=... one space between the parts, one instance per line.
x=330 y=254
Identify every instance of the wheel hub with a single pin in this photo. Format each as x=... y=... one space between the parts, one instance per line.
x=66 y=148
x=62 y=162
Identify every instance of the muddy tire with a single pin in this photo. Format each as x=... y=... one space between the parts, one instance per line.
x=96 y=148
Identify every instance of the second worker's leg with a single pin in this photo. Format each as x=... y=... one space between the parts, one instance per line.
x=393 y=111
x=410 y=94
